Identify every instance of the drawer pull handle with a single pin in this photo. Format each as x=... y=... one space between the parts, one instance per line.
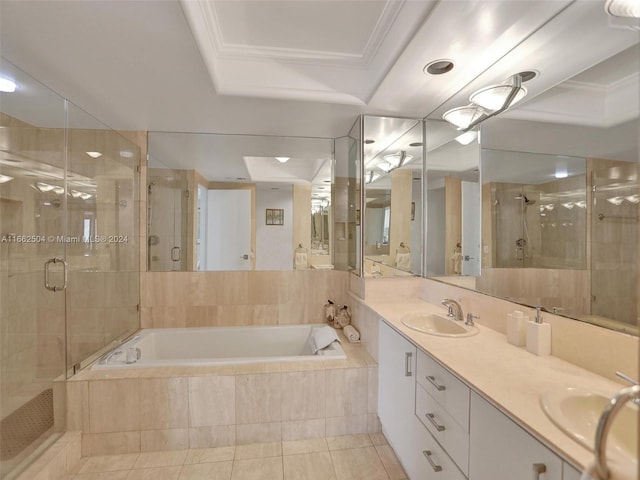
x=407 y=364
x=432 y=419
x=432 y=381
x=538 y=469
x=436 y=467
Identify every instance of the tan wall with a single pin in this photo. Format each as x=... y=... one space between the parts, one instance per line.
x=302 y=217
x=400 y=221
x=453 y=218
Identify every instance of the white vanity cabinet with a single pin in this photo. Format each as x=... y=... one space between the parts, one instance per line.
x=500 y=449
x=396 y=394
x=570 y=473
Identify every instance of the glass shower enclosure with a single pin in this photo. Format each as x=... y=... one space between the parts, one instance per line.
x=69 y=257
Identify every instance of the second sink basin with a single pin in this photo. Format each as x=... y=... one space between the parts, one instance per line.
x=435 y=324
x=576 y=412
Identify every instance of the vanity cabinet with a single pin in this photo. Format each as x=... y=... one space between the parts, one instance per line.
x=396 y=394
x=501 y=449
x=442 y=405
x=570 y=473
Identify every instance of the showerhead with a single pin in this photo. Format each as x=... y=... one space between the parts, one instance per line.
x=524 y=199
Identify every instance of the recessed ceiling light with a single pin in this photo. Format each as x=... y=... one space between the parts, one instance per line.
x=283 y=159
x=368 y=141
x=126 y=154
x=6 y=85
x=416 y=144
x=438 y=67
x=94 y=154
x=528 y=75
x=327 y=181
x=5 y=178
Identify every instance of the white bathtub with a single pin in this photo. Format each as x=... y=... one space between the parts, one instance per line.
x=161 y=347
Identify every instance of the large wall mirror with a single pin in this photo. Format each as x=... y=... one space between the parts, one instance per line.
x=392 y=234
x=558 y=176
x=239 y=202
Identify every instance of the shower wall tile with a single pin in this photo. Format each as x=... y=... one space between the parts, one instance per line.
x=209 y=437
x=347 y=425
x=258 y=433
x=303 y=429
x=346 y=392
x=78 y=406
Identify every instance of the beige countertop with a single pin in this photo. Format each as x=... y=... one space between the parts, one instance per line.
x=509 y=377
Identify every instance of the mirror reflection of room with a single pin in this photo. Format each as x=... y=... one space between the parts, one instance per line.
x=264 y=205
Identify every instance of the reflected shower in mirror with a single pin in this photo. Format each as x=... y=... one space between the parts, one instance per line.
x=239 y=202
x=393 y=196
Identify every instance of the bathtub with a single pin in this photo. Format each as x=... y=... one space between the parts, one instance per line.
x=162 y=347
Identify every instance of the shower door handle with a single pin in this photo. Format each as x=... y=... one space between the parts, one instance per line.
x=47 y=285
x=467 y=258
x=176 y=254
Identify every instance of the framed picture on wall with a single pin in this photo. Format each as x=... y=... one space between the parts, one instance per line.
x=275 y=216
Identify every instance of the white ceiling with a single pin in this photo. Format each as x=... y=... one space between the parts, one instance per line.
x=307 y=68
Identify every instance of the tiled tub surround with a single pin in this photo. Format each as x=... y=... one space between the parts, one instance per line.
x=510 y=377
x=139 y=410
x=215 y=299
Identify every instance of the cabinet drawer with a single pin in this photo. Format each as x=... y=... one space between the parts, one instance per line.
x=444 y=428
x=445 y=388
x=433 y=462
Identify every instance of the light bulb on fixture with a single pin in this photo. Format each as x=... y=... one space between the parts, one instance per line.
x=283 y=159
x=615 y=200
x=462 y=117
x=7 y=86
x=5 y=178
x=43 y=187
x=94 y=154
x=623 y=8
x=467 y=137
x=494 y=97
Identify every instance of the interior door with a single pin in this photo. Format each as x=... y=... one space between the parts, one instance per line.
x=471 y=237
x=228 y=237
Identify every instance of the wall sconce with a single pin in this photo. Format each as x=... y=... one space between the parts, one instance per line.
x=393 y=160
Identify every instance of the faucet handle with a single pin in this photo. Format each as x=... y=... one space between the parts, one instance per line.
x=627 y=378
x=470 y=317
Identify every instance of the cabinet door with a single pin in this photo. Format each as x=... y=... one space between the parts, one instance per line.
x=396 y=393
x=570 y=473
x=500 y=449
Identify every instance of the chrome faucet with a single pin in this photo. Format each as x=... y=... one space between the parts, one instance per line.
x=604 y=424
x=104 y=360
x=454 y=310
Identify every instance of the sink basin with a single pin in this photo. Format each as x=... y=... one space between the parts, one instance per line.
x=435 y=324
x=576 y=412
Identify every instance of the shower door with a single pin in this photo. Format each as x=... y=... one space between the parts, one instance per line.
x=32 y=270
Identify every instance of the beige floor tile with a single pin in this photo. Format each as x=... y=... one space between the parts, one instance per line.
x=160 y=459
x=311 y=445
x=258 y=469
x=207 y=455
x=207 y=471
x=108 y=463
x=158 y=473
x=378 y=438
x=349 y=441
x=121 y=475
x=358 y=464
x=258 y=450
x=309 y=466
x=391 y=462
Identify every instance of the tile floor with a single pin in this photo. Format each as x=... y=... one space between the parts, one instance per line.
x=351 y=457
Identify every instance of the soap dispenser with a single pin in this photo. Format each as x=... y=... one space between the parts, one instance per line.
x=517 y=328
x=539 y=335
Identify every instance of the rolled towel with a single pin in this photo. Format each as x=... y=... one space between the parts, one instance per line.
x=322 y=337
x=352 y=334
x=300 y=261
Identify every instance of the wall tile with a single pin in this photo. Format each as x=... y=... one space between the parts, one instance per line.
x=303 y=395
x=258 y=398
x=110 y=443
x=258 y=433
x=209 y=437
x=346 y=392
x=114 y=405
x=303 y=429
x=164 y=403
x=212 y=401
x=161 y=440
x=348 y=425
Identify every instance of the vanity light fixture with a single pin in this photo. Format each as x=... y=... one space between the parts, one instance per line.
x=615 y=200
x=371 y=176
x=43 y=187
x=283 y=159
x=633 y=198
x=94 y=154
x=126 y=154
x=385 y=166
x=561 y=173
x=5 y=178
x=7 y=85
x=75 y=193
x=568 y=205
x=398 y=159
x=467 y=137
x=489 y=102
x=58 y=190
